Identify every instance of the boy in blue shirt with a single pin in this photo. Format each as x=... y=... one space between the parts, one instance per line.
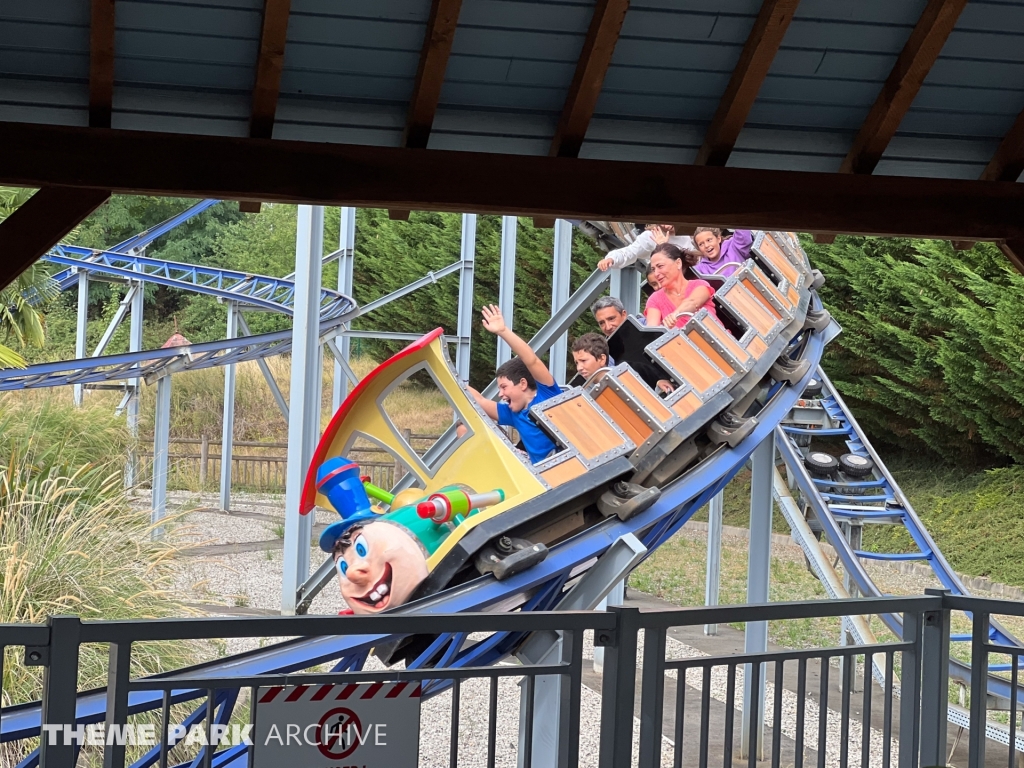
x=522 y=381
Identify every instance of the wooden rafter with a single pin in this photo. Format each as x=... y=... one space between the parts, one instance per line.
x=269 y=63
x=222 y=167
x=1007 y=164
x=758 y=53
x=101 y=63
x=1013 y=249
x=426 y=92
x=912 y=66
x=588 y=79
x=40 y=223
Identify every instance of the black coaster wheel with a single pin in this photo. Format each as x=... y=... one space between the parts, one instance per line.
x=820 y=464
x=856 y=466
x=813 y=388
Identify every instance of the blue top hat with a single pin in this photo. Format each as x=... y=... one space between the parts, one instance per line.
x=338 y=480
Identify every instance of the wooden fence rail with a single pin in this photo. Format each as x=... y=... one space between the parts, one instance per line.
x=261 y=472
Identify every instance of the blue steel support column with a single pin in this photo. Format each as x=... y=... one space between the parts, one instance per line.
x=625 y=286
x=227 y=436
x=758 y=571
x=346 y=270
x=465 y=323
x=712 y=576
x=561 y=272
x=80 y=335
x=507 y=279
x=304 y=404
x=161 y=449
x=134 y=385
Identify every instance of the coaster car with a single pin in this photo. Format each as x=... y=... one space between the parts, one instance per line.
x=472 y=504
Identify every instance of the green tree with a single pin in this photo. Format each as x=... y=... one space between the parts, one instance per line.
x=932 y=352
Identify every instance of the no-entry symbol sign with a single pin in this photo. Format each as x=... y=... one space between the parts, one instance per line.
x=368 y=725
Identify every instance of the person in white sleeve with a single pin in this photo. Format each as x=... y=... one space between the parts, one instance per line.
x=644 y=246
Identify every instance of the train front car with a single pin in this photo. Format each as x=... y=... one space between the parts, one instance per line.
x=394 y=544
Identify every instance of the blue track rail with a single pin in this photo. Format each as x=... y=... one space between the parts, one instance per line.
x=538 y=588
x=834 y=501
x=125 y=261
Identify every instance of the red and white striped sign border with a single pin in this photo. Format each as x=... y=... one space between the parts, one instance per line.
x=342 y=692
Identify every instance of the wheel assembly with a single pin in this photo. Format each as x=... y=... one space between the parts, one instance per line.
x=813 y=388
x=820 y=464
x=856 y=466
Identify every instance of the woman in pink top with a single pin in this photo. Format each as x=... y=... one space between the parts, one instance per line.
x=677 y=297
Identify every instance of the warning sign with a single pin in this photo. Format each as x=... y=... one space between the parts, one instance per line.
x=368 y=725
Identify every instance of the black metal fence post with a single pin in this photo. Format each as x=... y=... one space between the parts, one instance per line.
x=910 y=691
x=60 y=692
x=934 y=683
x=618 y=686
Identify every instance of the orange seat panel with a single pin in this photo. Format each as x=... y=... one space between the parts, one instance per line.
x=692 y=367
x=584 y=427
x=771 y=251
x=632 y=383
x=724 y=338
x=564 y=472
x=628 y=420
x=711 y=352
x=752 y=310
x=686 y=405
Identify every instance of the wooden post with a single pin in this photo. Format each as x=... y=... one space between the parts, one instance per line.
x=204 y=461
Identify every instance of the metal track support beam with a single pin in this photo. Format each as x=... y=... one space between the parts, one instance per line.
x=346 y=272
x=755 y=638
x=228 y=430
x=625 y=286
x=268 y=375
x=507 y=280
x=551 y=696
x=161 y=453
x=616 y=597
x=304 y=405
x=560 y=277
x=81 y=329
x=465 y=321
x=131 y=475
x=712 y=577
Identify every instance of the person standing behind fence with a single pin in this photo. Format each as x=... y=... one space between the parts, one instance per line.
x=645 y=243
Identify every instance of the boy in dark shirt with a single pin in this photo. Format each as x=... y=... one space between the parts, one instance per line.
x=522 y=381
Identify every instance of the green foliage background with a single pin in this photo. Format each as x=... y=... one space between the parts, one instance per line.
x=389 y=255
x=931 y=357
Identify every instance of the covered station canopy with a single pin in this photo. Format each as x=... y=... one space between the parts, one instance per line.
x=890 y=117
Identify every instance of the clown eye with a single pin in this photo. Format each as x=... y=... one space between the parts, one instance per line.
x=342 y=567
x=362 y=548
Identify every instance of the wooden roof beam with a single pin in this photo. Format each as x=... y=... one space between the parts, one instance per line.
x=756 y=59
x=267 y=87
x=587 y=81
x=426 y=91
x=1007 y=164
x=591 y=68
x=901 y=87
x=101 y=63
x=40 y=223
x=223 y=167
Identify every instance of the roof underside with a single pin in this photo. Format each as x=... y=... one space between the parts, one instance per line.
x=349 y=72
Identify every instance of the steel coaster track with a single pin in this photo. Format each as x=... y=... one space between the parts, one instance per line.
x=537 y=588
x=126 y=261
x=877 y=501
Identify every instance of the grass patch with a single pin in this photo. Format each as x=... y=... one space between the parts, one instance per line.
x=676 y=570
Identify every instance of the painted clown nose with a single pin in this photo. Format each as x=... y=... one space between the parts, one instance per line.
x=338 y=479
x=442 y=507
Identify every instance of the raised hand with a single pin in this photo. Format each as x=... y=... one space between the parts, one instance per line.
x=493 y=319
x=660 y=235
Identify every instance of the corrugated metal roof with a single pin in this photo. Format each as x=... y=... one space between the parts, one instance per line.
x=350 y=66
